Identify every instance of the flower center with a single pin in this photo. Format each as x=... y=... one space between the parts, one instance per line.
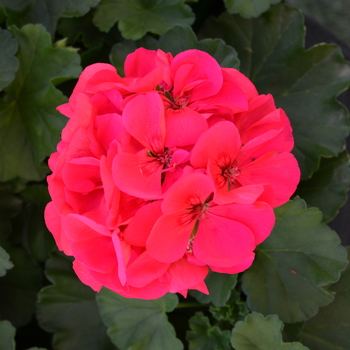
x=230 y=173
x=171 y=101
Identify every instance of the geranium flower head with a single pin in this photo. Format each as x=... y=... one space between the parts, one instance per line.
x=166 y=173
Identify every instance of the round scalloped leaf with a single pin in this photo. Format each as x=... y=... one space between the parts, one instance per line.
x=220 y=286
x=331 y=181
x=19 y=287
x=301 y=256
x=137 y=17
x=7 y=336
x=68 y=308
x=303 y=82
x=203 y=336
x=8 y=60
x=31 y=125
x=139 y=324
x=5 y=263
x=261 y=333
x=330 y=328
x=249 y=8
x=45 y=12
x=224 y=54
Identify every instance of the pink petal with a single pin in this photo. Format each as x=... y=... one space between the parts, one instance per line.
x=109 y=128
x=230 y=95
x=205 y=69
x=236 y=268
x=120 y=257
x=138 y=176
x=143 y=118
x=80 y=119
x=169 y=237
x=84 y=203
x=87 y=74
x=140 y=62
x=259 y=107
x=141 y=225
x=222 y=242
x=184 y=126
x=244 y=195
x=220 y=144
x=53 y=223
x=85 y=277
x=184 y=275
x=90 y=247
x=82 y=174
x=144 y=270
x=244 y=83
x=189 y=190
x=258 y=217
x=280 y=171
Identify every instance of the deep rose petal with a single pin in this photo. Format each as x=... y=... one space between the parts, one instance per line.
x=87 y=74
x=184 y=126
x=225 y=194
x=138 y=176
x=169 y=237
x=141 y=225
x=259 y=217
x=205 y=69
x=236 y=268
x=85 y=277
x=53 y=223
x=140 y=62
x=230 y=95
x=144 y=270
x=80 y=119
x=279 y=170
x=220 y=144
x=143 y=118
x=82 y=174
x=259 y=107
x=222 y=242
x=109 y=128
x=91 y=243
x=184 y=275
x=244 y=83
x=189 y=190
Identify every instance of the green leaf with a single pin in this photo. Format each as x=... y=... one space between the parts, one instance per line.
x=303 y=82
x=7 y=336
x=30 y=126
x=36 y=237
x=293 y=264
x=139 y=324
x=10 y=206
x=45 y=12
x=224 y=54
x=330 y=328
x=203 y=336
x=19 y=287
x=8 y=60
x=137 y=17
x=220 y=286
x=5 y=263
x=234 y=310
x=330 y=181
x=249 y=8
x=68 y=308
x=257 y=332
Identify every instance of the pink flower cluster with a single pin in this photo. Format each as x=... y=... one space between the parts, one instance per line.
x=167 y=172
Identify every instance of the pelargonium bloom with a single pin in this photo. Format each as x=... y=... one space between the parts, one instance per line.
x=166 y=173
